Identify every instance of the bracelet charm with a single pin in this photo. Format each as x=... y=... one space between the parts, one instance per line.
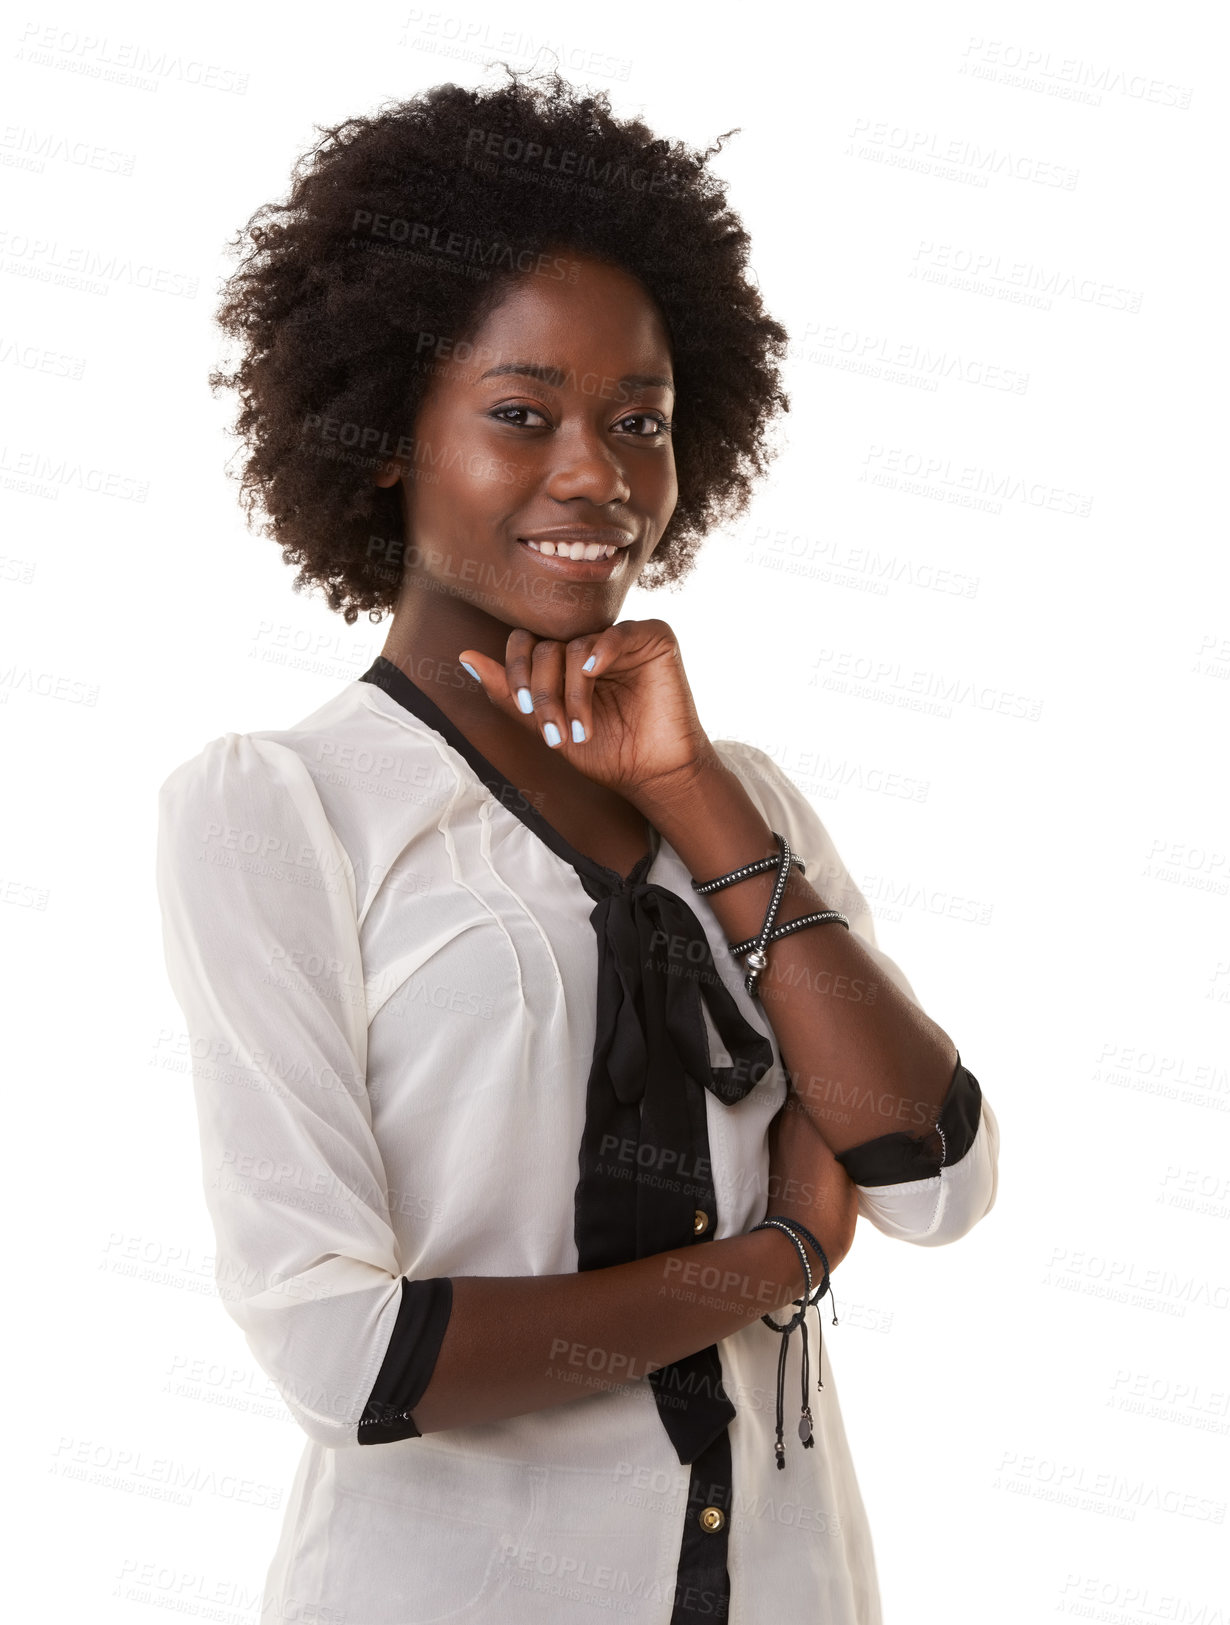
x=810 y=1298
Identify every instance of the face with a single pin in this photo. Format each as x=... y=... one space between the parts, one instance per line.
x=544 y=437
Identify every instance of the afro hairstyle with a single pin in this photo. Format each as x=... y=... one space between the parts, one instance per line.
x=407 y=226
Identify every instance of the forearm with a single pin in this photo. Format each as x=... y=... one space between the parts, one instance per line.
x=864 y=1059
x=527 y=1343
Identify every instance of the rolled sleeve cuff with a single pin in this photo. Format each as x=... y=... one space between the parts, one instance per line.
x=931 y=1189
x=422 y=1320
x=897 y=1158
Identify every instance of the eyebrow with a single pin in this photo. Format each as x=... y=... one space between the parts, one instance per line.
x=556 y=376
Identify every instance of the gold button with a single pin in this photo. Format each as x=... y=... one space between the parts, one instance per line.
x=700 y=1222
x=712 y=1519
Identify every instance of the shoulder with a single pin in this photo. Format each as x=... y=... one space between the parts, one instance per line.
x=340 y=793
x=237 y=781
x=358 y=760
x=239 y=815
x=242 y=828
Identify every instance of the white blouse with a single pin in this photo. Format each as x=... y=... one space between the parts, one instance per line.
x=389 y=969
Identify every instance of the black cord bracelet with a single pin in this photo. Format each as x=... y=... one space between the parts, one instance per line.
x=742 y=874
x=755 y=947
x=810 y=1298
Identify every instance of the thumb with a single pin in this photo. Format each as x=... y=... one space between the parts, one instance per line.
x=492 y=679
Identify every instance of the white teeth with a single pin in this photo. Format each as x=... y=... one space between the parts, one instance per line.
x=574 y=550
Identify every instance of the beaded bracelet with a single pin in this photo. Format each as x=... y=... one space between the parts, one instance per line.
x=748 y=869
x=806 y=1429
x=757 y=958
x=785 y=1227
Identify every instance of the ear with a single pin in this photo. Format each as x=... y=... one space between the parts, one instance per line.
x=388 y=474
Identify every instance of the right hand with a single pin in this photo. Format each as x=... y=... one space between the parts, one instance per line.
x=807 y=1183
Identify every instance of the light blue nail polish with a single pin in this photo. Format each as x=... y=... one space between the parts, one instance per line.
x=589 y=663
x=525 y=700
x=552 y=733
x=471 y=671
x=578 y=732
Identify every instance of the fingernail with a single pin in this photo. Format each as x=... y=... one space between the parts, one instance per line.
x=589 y=663
x=471 y=671
x=525 y=700
x=552 y=733
x=578 y=732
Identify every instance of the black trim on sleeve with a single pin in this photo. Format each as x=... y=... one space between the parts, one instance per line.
x=422 y=1320
x=894 y=1159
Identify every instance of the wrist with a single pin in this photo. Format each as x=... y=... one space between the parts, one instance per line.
x=672 y=793
x=784 y=1264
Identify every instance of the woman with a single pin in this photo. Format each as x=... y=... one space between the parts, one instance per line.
x=492 y=1116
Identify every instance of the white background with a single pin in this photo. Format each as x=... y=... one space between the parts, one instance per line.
x=1040 y=1413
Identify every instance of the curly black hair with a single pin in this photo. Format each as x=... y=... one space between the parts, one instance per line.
x=400 y=233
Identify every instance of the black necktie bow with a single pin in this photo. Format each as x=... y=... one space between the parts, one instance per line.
x=642 y=1182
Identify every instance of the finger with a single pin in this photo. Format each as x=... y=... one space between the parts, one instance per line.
x=518 y=655
x=547 y=690
x=632 y=641
x=579 y=687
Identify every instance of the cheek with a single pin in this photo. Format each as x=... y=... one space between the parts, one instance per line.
x=493 y=479
x=665 y=487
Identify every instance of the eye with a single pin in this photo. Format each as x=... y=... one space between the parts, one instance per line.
x=659 y=427
x=518 y=416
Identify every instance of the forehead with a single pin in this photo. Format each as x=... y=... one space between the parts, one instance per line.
x=570 y=307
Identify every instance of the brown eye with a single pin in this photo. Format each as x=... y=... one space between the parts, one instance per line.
x=659 y=427
x=518 y=422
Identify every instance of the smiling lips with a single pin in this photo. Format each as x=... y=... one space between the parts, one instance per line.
x=579 y=543
x=573 y=550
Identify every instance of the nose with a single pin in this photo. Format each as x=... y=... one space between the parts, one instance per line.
x=584 y=466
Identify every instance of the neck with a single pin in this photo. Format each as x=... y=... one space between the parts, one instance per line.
x=429 y=629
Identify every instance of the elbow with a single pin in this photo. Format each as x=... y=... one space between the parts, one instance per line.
x=954 y=1221
x=331 y=1434
x=967 y=1190
x=326 y=1418
x=845 y=1221
x=939 y=1210
x=313 y=1348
